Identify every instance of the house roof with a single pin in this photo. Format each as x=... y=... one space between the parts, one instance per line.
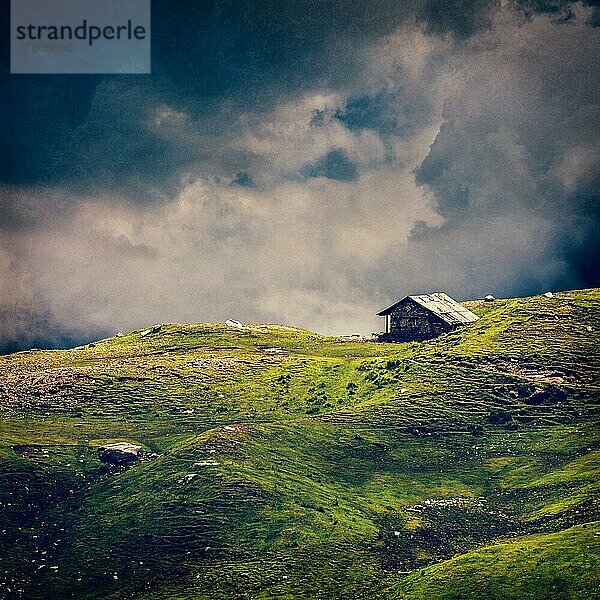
x=439 y=304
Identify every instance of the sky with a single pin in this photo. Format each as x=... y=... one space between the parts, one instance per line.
x=304 y=162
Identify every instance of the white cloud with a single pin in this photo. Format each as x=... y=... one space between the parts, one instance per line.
x=289 y=139
x=501 y=117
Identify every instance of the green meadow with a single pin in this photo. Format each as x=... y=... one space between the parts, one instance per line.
x=278 y=463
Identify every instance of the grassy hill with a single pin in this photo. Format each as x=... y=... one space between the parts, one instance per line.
x=278 y=463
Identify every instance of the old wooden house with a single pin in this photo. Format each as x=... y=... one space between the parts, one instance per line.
x=417 y=318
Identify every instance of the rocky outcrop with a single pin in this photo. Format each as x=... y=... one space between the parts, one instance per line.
x=120 y=453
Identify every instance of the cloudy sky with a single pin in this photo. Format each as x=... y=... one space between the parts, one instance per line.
x=304 y=162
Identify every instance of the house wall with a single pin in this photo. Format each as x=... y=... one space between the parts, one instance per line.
x=411 y=322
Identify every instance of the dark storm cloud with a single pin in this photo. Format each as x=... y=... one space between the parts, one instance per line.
x=334 y=165
x=461 y=17
x=560 y=9
x=243 y=179
x=523 y=155
x=91 y=131
x=400 y=113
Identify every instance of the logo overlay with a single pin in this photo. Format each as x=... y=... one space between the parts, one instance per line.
x=80 y=36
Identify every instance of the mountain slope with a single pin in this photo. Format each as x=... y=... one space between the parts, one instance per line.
x=282 y=464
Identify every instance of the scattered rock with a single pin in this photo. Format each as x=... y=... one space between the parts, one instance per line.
x=119 y=454
x=476 y=429
x=234 y=323
x=499 y=417
x=538 y=397
x=153 y=329
x=546 y=395
x=420 y=431
x=459 y=501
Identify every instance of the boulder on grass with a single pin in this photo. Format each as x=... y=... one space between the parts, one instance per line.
x=120 y=453
x=234 y=323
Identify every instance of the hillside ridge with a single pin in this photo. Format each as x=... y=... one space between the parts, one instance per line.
x=280 y=463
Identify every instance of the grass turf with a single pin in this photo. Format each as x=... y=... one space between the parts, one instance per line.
x=283 y=464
